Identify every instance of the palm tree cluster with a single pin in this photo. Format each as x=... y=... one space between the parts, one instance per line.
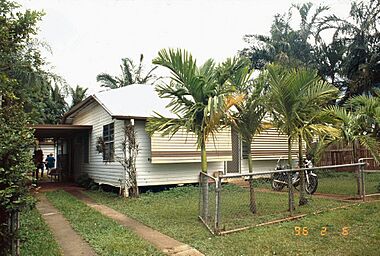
x=296 y=101
x=350 y=61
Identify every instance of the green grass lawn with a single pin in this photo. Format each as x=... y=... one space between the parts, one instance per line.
x=36 y=238
x=102 y=233
x=340 y=183
x=175 y=213
x=270 y=206
x=344 y=183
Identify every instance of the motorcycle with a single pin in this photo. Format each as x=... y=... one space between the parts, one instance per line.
x=280 y=180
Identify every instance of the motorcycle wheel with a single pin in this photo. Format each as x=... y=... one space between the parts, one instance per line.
x=311 y=187
x=276 y=185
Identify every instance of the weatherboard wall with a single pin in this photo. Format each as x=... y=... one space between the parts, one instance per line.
x=182 y=147
x=149 y=173
x=102 y=172
x=266 y=148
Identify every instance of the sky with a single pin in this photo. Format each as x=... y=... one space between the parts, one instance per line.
x=88 y=37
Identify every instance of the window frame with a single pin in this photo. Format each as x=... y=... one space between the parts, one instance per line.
x=109 y=139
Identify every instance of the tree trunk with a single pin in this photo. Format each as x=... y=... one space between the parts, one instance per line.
x=14 y=227
x=290 y=184
x=303 y=199
x=252 y=196
x=204 y=182
x=357 y=172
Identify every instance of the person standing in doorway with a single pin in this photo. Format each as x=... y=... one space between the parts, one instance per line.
x=50 y=163
x=38 y=160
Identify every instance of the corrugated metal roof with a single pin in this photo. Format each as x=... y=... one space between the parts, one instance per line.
x=136 y=100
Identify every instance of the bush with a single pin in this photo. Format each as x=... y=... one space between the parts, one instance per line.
x=86 y=182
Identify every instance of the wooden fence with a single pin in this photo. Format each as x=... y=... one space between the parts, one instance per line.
x=339 y=155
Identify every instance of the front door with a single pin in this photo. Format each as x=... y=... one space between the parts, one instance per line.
x=234 y=165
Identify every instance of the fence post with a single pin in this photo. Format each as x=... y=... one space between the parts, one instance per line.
x=361 y=170
x=200 y=206
x=218 y=188
x=205 y=195
x=290 y=193
x=14 y=225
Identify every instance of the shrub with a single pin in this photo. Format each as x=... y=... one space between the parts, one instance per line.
x=86 y=182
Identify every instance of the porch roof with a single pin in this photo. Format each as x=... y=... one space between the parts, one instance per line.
x=58 y=130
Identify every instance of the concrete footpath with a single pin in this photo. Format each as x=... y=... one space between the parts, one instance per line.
x=163 y=242
x=70 y=242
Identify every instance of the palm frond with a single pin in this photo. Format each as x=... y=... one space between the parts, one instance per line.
x=180 y=63
x=372 y=145
x=107 y=81
x=166 y=126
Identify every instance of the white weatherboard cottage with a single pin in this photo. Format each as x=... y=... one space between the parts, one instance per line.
x=160 y=160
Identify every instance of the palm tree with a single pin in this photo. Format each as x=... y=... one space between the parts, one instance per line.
x=295 y=95
x=286 y=44
x=131 y=74
x=199 y=97
x=249 y=118
x=360 y=35
x=78 y=94
x=353 y=133
x=367 y=107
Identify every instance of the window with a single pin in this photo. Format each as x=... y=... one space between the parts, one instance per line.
x=108 y=138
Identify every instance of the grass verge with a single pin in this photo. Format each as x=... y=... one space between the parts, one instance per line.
x=102 y=233
x=175 y=213
x=36 y=238
x=344 y=183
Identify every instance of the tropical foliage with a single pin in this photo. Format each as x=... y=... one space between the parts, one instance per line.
x=350 y=61
x=77 y=94
x=286 y=45
x=249 y=116
x=200 y=97
x=359 y=34
x=295 y=96
x=15 y=136
x=130 y=74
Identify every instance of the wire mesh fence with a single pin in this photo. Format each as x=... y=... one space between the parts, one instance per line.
x=230 y=203
x=207 y=200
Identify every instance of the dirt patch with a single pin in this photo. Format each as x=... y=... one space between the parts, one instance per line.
x=52 y=186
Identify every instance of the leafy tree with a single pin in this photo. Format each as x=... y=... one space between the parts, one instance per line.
x=131 y=74
x=294 y=98
x=21 y=60
x=77 y=95
x=23 y=88
x=16 y=138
